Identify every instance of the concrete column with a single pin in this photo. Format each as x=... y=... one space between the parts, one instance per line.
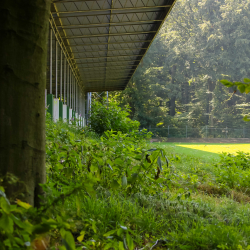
x=56 y=110
x=50 y=62
x=70 y=116
x=56 y=71
x=64 y=117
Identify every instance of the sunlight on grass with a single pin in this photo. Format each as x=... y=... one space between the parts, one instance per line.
x=219 y=148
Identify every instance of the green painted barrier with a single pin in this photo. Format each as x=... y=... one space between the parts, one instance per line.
x=50 y=102
x=60 y=110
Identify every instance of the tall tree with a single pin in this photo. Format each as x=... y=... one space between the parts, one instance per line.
x=201 y=42
x=24 y=32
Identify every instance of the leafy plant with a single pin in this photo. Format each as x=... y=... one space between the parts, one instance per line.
x=243 y=87
x=110 y=116
x=234 y=170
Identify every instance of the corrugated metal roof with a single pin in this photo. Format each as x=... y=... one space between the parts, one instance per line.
x=108 y=38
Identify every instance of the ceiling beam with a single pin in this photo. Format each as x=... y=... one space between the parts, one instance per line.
x=117 y=66
x=86 y=78
x=56 y=15
x=100 y=57
x=93 y=89
x=109 y=80
x=111 y=50
x=88 y=71
x=102 y=43
x=97 y=25
x=74 y=1
x=112 y=34
x=112 y=9
x=109 y=62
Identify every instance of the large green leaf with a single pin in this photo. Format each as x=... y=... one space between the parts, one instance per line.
x=159 y=163
x=130 y=242
x=242 y=88
x=6 y=223
x=68 y=241
x=246 y=119
x=152 y=149
x=246 y=80
x=110 y=233
x=226 y=83
x=133 y=178
x=124 y=181
x=4 y=205
x=114 y=184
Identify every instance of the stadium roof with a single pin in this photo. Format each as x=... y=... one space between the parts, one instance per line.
x=107 y=39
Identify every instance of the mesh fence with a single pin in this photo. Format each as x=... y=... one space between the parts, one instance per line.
x=201 y=132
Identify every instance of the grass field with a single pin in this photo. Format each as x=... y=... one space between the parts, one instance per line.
x=207 y=152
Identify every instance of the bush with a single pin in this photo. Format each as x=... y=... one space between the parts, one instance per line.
x=234 y=170
x=110 y=116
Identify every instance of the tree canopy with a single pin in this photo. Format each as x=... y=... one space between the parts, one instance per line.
x=202 y=42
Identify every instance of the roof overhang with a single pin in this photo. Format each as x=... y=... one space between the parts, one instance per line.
x=107 y=39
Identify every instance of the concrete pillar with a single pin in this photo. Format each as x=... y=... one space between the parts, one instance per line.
x=64 y=117
x=70 y=116
x=56 y=110
x=76 y=118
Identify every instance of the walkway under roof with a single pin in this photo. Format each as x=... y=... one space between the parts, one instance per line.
x=107 y=39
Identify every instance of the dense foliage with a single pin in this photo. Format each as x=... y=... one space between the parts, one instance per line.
x=110 y=117
x=119 y=192
x=243 y=87
x=177 y=84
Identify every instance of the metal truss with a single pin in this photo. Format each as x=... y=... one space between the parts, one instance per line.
x=105 y=40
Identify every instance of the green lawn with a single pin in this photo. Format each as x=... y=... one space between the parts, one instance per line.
x=207 y=152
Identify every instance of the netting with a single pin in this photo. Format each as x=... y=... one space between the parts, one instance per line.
x=200 y=132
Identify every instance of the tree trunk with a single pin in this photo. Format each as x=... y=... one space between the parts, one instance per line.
x=172 y=106
x=211 y=87
x=24 y=32
x=172 y=99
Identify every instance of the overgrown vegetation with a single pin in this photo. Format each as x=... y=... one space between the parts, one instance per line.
x=109 y=116
x=117 y=191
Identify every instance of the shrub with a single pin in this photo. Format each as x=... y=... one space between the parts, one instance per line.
x=111 y=117
x=234 y=170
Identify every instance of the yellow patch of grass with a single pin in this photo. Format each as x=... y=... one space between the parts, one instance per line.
x=219 y=148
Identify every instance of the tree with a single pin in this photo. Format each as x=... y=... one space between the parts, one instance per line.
x=201 y=42
x=23 y=49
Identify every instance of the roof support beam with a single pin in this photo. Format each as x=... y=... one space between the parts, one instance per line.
x=110 y=50
x=86 y=79
x=93 y=89
x=108 y=80
x=110 y=62
x=101 y=43
x=70 y=1
x=99 y=57
x=101 y=68
x=56 y=14
x=97 y=25
x=112 y=9
x=112 y=34
x=104 y=67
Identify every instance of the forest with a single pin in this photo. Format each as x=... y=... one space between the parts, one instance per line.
x=178 y=84
x=107 y=186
